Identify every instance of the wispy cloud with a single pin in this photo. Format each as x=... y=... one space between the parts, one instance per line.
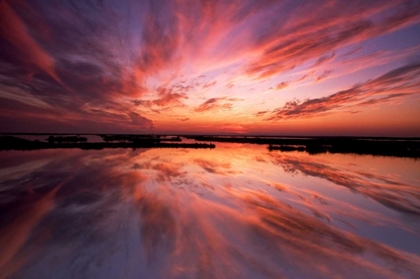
x=167 y=97
x=395 y=84
x=222 y=103
x=282 y=85
x=317 y=33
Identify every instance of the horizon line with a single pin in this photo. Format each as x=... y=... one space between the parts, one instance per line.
x=226 y=135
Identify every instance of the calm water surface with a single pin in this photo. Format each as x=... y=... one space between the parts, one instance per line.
x=238 y=211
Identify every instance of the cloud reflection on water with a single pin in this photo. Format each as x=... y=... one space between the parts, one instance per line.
x=236 y=211
x=386 y=190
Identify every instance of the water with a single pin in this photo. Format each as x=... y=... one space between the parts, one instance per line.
x=238 y=211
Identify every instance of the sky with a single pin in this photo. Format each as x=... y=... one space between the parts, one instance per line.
x=262 y=67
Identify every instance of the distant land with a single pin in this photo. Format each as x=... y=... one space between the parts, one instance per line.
x=380 y=146
x=8 y=142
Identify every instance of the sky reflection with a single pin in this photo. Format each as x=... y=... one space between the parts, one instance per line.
x=238 y=211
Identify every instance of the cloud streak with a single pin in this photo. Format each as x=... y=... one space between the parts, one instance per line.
x=222 y=103
x=30 y=52
x=393 y=85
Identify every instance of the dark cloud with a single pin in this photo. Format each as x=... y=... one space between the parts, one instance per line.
x=261 y=113
x=61 y=59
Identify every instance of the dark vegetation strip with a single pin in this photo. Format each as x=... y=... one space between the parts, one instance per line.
x=15 y=143
x=191 y=136
x=134 y=138
x=364 y=146
x=397 y=147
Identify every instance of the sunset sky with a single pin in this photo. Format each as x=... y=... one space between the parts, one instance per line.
x=210 y=67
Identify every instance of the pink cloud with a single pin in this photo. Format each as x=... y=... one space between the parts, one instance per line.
x=398 y=83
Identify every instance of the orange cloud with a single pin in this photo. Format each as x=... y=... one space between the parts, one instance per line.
x=282 y=85
x=216 y=104
x=167 y=98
